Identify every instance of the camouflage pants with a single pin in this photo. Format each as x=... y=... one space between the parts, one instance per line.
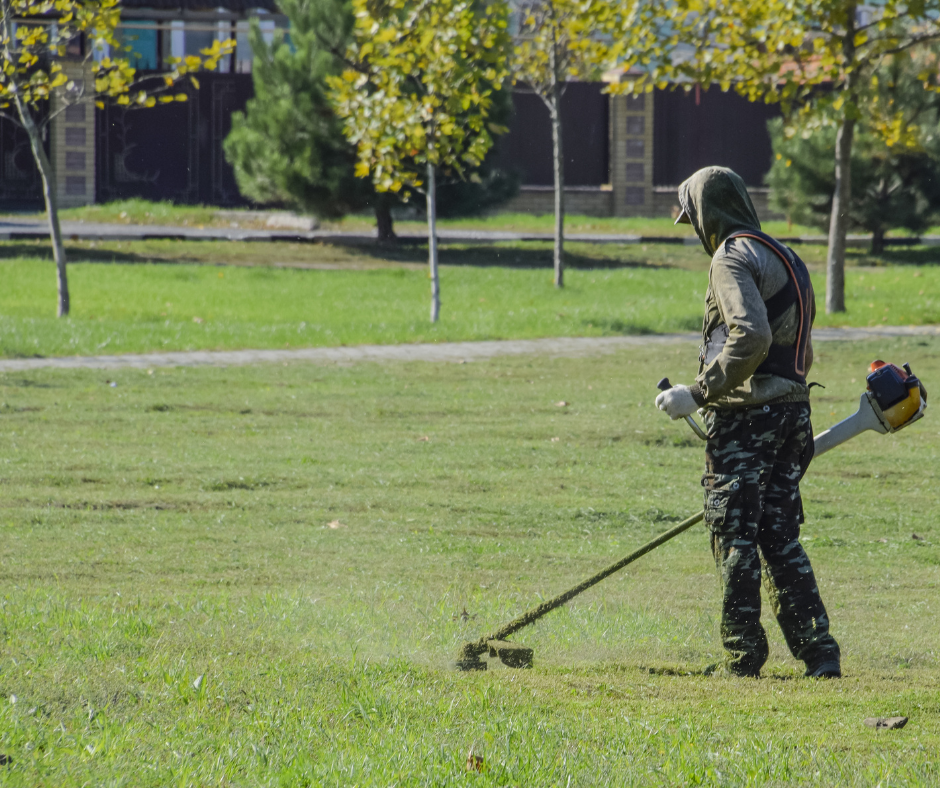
x=755 y=459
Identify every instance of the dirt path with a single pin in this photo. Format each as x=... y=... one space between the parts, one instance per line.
x=454 y=352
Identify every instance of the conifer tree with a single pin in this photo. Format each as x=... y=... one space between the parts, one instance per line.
x=288 y=146
x=895 y=160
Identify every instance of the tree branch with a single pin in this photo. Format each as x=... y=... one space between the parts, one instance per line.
x=913 y=42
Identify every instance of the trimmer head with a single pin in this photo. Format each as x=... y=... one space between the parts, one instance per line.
x=512 y=655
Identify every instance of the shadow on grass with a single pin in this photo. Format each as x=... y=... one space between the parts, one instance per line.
x=524 y=254
x=80 y=254
x=917 y=255
x=617 y=326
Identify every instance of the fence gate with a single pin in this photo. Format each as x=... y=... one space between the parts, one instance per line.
x=172 y=151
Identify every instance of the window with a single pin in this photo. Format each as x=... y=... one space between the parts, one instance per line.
x=140 y=41
x=243 y=53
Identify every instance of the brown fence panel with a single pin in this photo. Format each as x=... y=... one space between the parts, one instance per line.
x=20 y=184
x=709 y=127
x=172 y=151
x=527 y=148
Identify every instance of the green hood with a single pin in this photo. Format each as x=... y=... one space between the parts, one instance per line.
x=717 y=202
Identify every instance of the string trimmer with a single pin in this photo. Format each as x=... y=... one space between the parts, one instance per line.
x=893 y=400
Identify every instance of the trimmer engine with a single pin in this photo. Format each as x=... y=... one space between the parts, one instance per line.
x=895 y=398
x=900 y=396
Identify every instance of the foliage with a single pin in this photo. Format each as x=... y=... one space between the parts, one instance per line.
x=288 y=146
x=34 y=52
x=787 y=52
x=421 y=88
x=558 y=41
x=37 y=39
x=418 y=96
x=575 y=40
x=891 y=188
x=487 y=185
x=895 y=158
x=780 y=51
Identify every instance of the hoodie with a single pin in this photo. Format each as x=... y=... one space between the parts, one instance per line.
x=744 y=273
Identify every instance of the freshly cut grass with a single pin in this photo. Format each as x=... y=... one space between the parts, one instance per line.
x=258 y=576
x=241 y=295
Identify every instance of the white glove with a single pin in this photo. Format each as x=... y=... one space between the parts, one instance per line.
x=677 y=402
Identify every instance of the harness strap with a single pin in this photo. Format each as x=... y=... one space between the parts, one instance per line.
x=783 y=360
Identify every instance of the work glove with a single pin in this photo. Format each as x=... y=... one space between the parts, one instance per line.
x=677 y=402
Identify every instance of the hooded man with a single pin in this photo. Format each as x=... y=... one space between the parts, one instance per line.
x=751 y=385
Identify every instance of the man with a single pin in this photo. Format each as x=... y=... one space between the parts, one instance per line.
x=759 y=310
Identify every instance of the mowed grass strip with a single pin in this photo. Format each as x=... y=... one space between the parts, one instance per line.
x=257 y=576
x=138 y=296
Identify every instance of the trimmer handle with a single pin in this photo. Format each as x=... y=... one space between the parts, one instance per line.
x=665 y=385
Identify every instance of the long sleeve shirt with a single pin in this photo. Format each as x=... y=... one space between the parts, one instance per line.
x=743 y=274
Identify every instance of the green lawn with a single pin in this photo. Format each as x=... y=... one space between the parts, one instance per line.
x=258 y=577
x=138 y=211
x=171 y=295
x=165 y=213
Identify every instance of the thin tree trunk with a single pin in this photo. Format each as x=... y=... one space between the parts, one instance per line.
x=879 y=231
x=385 y=228
x=839 y=219
x=558 y=162
x=432 y=243
x=52 y=204
x=878 y=240
x=842 y=193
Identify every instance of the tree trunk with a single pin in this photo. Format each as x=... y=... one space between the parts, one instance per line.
x=383 y=218
x=839 y=219
x=432 y=244
x=842 y=193
x=52 y=205
x=879 y=231
x=878 y=240
x=558 y=162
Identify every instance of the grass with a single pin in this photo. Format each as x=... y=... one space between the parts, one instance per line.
x=258 y=576
x=137 y=211
x=172 y=295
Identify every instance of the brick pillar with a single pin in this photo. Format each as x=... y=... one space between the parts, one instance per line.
x=73 y=144
x=631 y=154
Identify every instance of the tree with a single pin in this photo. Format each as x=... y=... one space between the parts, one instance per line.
x=487 y=185
x=288 y=146
x=38 y=40
x=560 y=41
x=890 y=188
x=895 y=160
x=417 y=99
x=822 y=56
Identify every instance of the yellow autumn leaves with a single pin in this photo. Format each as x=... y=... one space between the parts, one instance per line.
x=33 y=52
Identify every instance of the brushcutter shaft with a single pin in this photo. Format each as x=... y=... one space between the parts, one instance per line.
x=473 y=649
